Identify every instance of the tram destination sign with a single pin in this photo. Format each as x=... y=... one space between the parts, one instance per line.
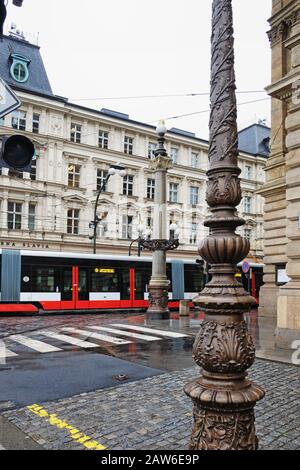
x=8 y=99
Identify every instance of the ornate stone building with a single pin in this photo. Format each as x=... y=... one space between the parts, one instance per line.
x=281 y=293
x=52 y=207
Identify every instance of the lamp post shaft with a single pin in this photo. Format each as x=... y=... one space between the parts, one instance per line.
x=223 y=397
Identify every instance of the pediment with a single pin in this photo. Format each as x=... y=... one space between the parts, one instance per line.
x=75 y=198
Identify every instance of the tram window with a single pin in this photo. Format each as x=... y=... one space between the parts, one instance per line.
x=193 y=278
x=43 y=280
x=104 y=281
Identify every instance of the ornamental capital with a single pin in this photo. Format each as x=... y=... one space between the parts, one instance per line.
x=161 y=163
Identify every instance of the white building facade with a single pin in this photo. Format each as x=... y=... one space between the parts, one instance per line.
x=52 y=207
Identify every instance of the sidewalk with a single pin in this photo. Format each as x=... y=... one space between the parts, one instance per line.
x=154 y=413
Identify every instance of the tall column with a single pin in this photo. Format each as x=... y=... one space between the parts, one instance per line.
x=159 y=283
x=223 y=397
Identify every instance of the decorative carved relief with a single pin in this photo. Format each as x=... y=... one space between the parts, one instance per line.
x=227 y=431
x=223 y=189
x=158 y=298
x=160 y=245
x=280 y=31
x=224 y=347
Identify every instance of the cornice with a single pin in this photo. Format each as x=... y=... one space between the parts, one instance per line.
x=279 y=31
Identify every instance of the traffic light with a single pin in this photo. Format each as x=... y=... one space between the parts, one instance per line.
x=16 y=152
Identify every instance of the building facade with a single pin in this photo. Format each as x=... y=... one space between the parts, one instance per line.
x=281 y=294
x=51 y=208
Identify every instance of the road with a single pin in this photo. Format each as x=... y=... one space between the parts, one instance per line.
x=48 y=358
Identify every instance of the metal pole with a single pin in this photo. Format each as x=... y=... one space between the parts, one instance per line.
x=223 y=397
x=96 y=221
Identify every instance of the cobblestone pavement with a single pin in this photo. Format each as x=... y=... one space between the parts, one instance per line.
x=154 y=413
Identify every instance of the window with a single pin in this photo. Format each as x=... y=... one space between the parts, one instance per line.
x=19 y=68
x=103 y=139
x=248 y=205
x=151 y=150
x=248 y=172
x=127 y=227
x=43 y=279
x=173 y=196
x=193 y=233
x=194 y=195
x=105 y=280
x=18 y=120
x=74 y=175
x=33 y=170
x=248 y=233
x=31 y=217
x=128 y=185
x=14 y=216
x=36 y=123
x=128 y=145
x=76 y=133
x=195 y=160
x=174 y=155
x=2 y=121
x=150 y=188
x=101 y=178
x=73 y=221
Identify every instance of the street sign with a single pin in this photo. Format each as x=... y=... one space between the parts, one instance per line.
x=8 y=99
x=246 y=267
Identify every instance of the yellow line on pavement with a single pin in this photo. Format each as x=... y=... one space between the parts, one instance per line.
x=76 y=435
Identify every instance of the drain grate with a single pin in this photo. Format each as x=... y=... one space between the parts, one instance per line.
x=121 y=377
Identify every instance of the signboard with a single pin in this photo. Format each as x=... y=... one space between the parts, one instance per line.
x=8 y=99
x=246 y=267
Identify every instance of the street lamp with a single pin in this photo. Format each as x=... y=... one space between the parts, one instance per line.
x=223 y=397
x=160 y=244
x=114 y=169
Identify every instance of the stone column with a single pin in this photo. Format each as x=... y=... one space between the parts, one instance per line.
x=223 y=397
x=159 y=283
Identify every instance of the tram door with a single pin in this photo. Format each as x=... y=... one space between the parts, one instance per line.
x=67 y=290
x=75 y=292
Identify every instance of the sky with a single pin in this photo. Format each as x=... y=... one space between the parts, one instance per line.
x=96 y=49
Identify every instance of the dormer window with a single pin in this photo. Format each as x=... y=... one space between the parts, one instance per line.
x=19 y=69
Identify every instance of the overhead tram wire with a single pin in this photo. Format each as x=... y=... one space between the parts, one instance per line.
x=175 y=95
x=190 y=114
x=208 y=110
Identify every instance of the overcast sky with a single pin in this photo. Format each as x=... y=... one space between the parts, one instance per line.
x=116 y=48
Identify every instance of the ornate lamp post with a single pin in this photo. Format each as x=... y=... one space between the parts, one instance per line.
x=160 y=244
x=223 y=397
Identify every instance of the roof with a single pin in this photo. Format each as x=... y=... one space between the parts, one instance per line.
x=38 y=80
x=255 y=139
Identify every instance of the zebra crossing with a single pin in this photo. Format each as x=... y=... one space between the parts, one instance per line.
x=87 y=337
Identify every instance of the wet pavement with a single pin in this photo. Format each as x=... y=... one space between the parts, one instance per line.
x=61 y=360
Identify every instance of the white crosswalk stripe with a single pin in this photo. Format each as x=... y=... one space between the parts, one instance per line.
x=132 y=333
x=125 y=333
x=34 y=344
x=168 y=334
x=4 y=352
x=68 y=339
x=89 y=334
